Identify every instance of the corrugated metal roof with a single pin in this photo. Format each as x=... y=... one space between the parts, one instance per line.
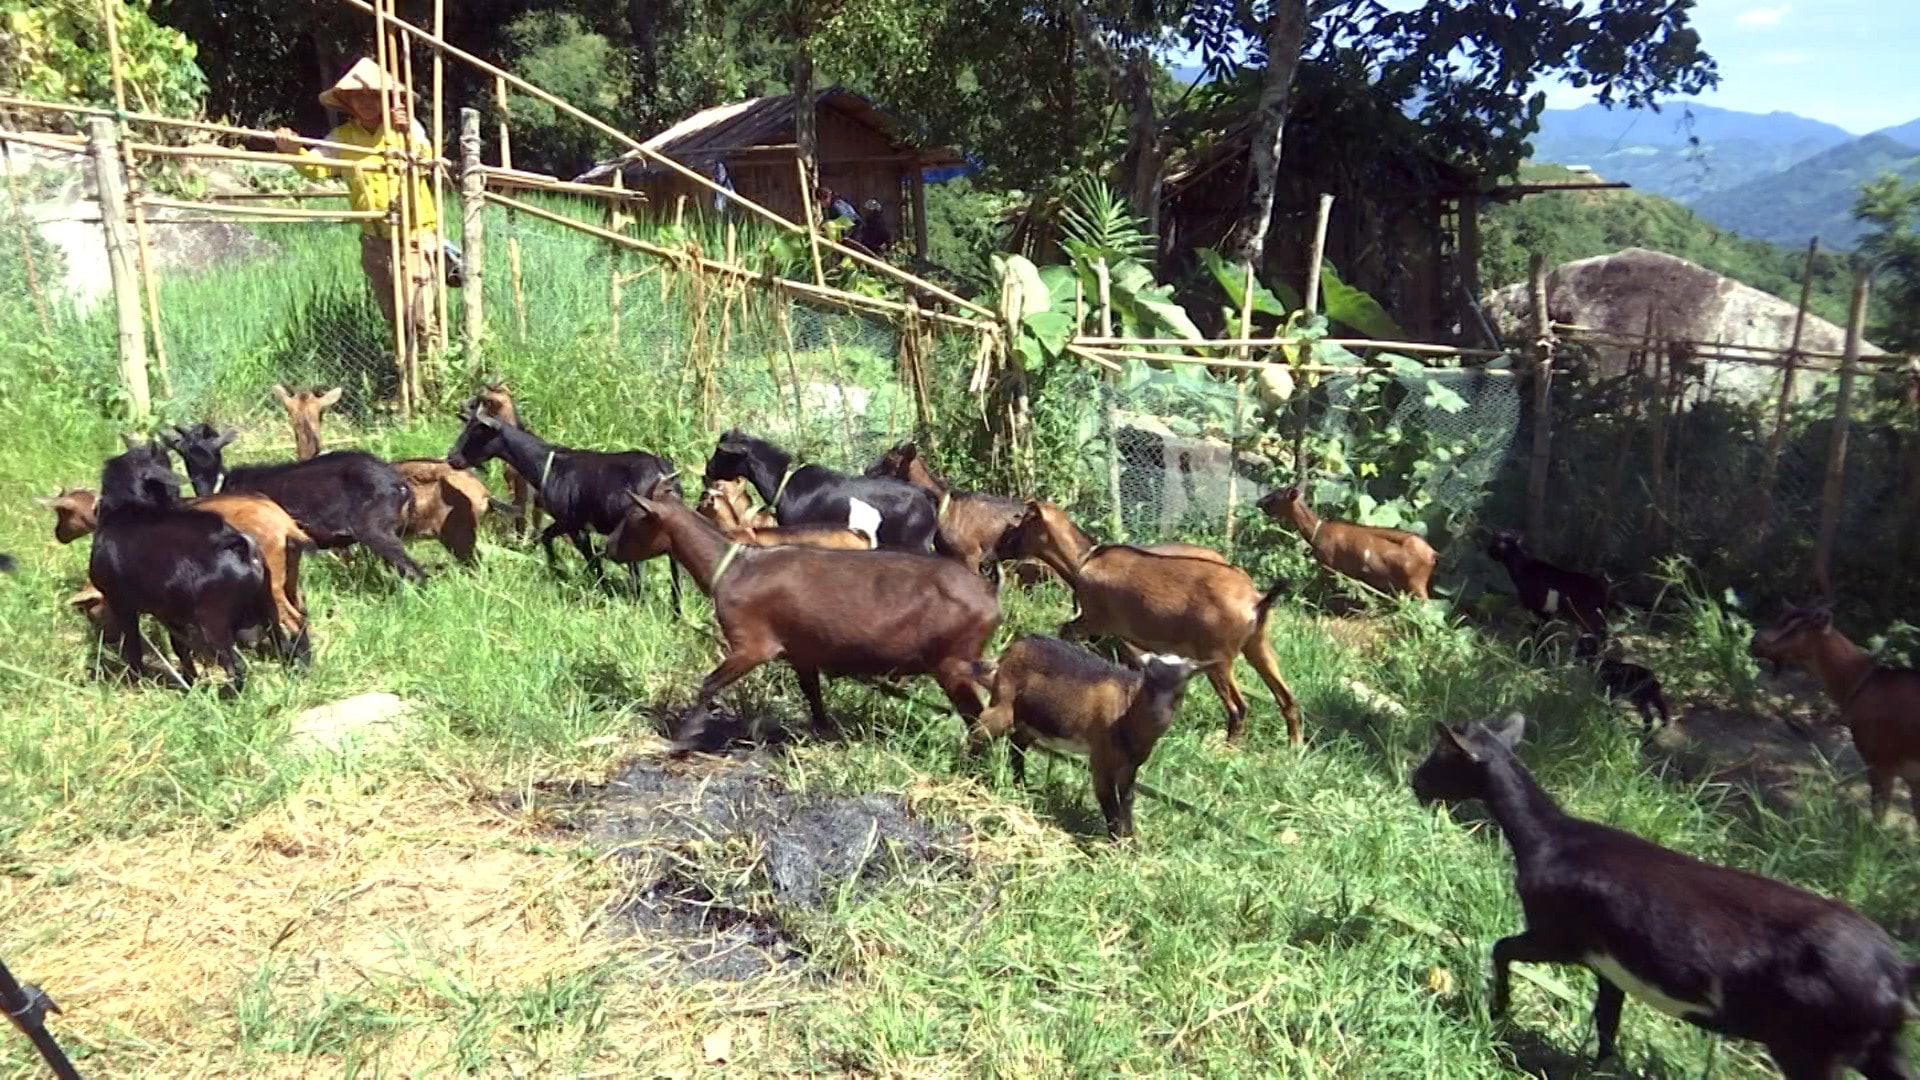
x=712 y=134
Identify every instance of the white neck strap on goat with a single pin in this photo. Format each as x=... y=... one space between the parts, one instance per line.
x=720 y=568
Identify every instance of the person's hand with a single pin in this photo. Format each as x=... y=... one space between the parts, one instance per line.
x=401 y=117
x=285 y=141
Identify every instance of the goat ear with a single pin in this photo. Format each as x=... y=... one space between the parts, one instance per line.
x=226 y=437
x=488 y=421
x=331 y=397
x=280 y=392
x=1509 y=729
x=1444 y=733
x=48 y=502
x=132 y=441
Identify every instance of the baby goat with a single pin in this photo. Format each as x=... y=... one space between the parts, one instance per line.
x=969 y=525
x=1880 y=705
x=723 y=509
x=1391 y=560
x=496 y=400
x=303 y=410
x=1063 y=697
x=1550 y=591
x=1818 y=984
x=1620 y=679
x=1171 y=598
x=817 y=495
x=729 y=504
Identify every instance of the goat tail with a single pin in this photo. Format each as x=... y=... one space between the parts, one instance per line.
x=1260 y=609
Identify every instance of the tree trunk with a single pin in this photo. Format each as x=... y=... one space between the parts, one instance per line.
x=805 y=136
x=1286 y=31
x=1130 y=79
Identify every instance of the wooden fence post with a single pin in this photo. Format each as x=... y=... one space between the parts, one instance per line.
x=103 y=143
x=1116 y=521
x=1542 y=455
x=1316 y=255
x=473 y=210
x=1834 y=487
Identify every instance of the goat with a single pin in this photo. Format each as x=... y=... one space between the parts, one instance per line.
x=729 y=504
x=1165 y=600
x=824 y=612
x=1880 y=705
x=1063 y=697
x=969 y=525
x=1818 y=984
x=275 y=534
x=584 y=491
x=723 y=510
x=817 y=495
x=1548 y=590
x=341 y=498
x=1621 y=679
x=1391 y=560
x=496 y=401
x=187 y=567
x=304 y=409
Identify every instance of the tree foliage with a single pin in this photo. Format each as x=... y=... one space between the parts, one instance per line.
x=57 y=50
x=1890 y=208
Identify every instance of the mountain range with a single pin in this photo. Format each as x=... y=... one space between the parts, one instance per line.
x=1773 y=176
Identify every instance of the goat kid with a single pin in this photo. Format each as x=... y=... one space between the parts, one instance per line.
x=723 y=511
x=729 y=504
x=1818 y=984
x=969 y=525
x=1171 y=598
x=1062 y=697
x=1880 y=705
x=1551 y=591
x=874 y=613
x=817 y=495
x=303 y=411
x=1393 y=561
x=340 y=498
x=496 y=400
x=188 y=568
x=584 y=491
x=1620 y=679
x=279 y=539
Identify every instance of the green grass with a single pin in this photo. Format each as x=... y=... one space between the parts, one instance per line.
x=1293 y=917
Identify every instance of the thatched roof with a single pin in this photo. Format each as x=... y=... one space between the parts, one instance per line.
x=724 y=130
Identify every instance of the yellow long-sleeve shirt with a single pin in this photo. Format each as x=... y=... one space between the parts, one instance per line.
x=373 y=179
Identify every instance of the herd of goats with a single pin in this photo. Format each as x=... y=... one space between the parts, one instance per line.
x=881 y=574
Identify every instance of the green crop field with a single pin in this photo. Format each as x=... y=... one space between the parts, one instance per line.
x=205 y=896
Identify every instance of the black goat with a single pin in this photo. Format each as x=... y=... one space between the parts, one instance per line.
x=817 y=495
x=1621 y=679
x=340 y=498
x=1817 y=983
x=190 y=569
x=6 y=564
x=1551 y=591
x=583 y=491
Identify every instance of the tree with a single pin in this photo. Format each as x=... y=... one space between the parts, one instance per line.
x=56 y=50
x=1890 y=208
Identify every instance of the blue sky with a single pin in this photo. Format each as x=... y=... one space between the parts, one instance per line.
x=1849 y=62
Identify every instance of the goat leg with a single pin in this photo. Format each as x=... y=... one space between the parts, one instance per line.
x=394 y=553
x=816 y=704
x=182 y=643
x=1606 y=1015
x=1884 y=1060
x=236 y=669
x=735 y=664
x=1880 y=793
x=673 y=583
x=1259 y=652
x=133 y=647
x=1113 y=785
x=547 y=536
x=1526 y=947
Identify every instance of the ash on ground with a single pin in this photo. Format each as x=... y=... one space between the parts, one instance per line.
x=723 y=855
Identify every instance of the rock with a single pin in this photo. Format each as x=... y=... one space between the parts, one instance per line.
x=365 y=720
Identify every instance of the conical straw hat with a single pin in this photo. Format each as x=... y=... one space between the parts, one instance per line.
x=365 y=74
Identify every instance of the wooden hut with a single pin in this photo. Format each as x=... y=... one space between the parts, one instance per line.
x=863 y=154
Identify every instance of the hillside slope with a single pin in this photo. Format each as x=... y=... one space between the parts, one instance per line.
x=1684 y=152
x=1580 y=225
x=1814 y=197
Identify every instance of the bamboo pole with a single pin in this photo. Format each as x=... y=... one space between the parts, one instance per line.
x=1239 y=408
x=419 y=263
x=1261 y=365
x=504 y=104
x=473 y=208
x=256 y=157
x=1103 y=297
x=1657 y=452
x=230 y=130
x=1541 y=458
x=275 y=196
x=1280 y=342
x=442 y=333
x=1317 y=254
x=66 y=144
x=813 y=231
x=531 y=181
x=1779 y=437
x=143 y=250
x=785 y=319
x=284 y=213
x=800 y=288
x=103 y=136
x=614 y=224
x=396 y=226
x=26 y=240
x=1833 y=487
x=662 y=160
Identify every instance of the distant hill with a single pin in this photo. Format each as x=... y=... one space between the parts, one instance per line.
x=1811 y=198
x=1657 y=152
x=1908 y=132
x=1580 y=225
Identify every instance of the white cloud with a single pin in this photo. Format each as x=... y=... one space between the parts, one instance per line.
x=1762 y=16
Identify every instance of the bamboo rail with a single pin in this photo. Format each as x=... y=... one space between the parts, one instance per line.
x=532 y=181
x=1256 y=365
x=664 y=161
x=33 y=105
x=1278 y=342
x=290 y=213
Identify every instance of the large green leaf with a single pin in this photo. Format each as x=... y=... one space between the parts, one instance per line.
x=1050 y=328
x=1061 y=283
x=1354 y=308
x=1233 y=281
x=1172 y=318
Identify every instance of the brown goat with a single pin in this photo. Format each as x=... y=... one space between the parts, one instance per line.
x=304 y=409
x=448 y=503
x=497 y=401
x=279 y=538
x=1063 y=697
x=729 y=504
x=1390 y=560
x=866 y=613
x=972 y=526
x=723 y=509
x=1880 y=705
x=1165 y=599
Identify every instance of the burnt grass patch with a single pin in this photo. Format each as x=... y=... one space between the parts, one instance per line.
x=727 y=863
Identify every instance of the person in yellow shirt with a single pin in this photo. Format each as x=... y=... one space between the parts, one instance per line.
x=373 y=181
